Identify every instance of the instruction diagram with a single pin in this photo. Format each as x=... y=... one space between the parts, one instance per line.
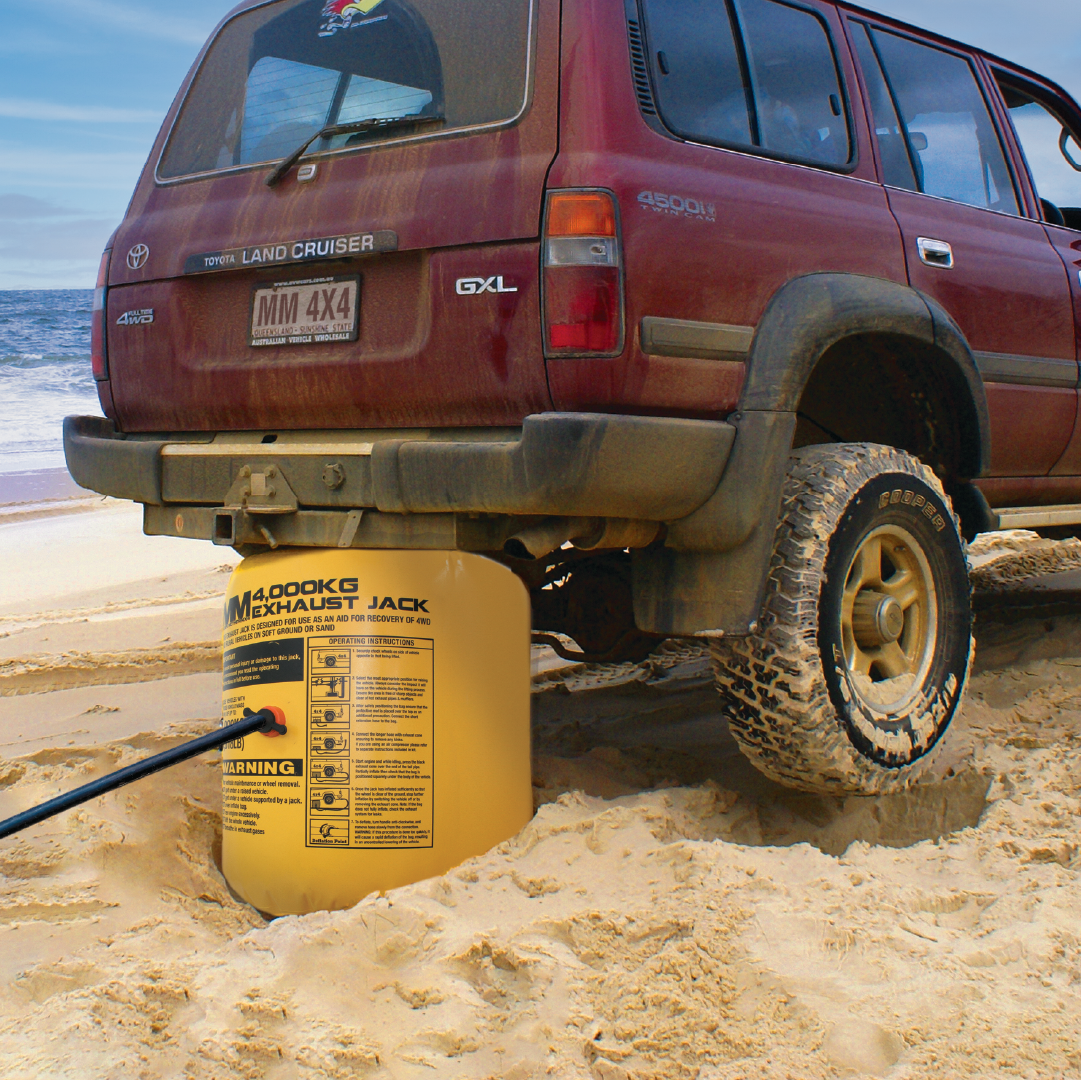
x=328 y=833
x=331 y=801
x=328 y=743
x=325 y=717
x=334 y=660
x=332 y=688
x=370 y=769
x=330 y=772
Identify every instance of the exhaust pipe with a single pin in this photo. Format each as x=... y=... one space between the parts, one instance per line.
x=538 y=540
x=586 y=534
x=620 y=533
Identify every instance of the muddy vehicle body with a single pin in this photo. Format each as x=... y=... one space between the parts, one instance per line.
x=720 y=320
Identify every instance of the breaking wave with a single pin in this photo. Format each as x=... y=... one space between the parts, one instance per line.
x=44 y=373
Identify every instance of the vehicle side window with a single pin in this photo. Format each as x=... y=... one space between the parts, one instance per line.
x=795 y=82
x=1053 y=154
x=749 y=74
x=696 y=70
x=952 y=142
x=897 y=168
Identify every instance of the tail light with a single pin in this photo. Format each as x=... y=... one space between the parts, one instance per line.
x=583 y=287
x=99 y=360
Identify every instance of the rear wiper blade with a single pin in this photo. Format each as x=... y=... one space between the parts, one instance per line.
x=376 y=124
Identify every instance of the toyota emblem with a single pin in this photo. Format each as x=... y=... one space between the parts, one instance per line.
x=138 y=255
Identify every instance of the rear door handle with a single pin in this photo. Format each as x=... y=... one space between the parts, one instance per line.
x=935 y=252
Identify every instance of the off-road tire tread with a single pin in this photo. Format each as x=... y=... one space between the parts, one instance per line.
x=772 y=682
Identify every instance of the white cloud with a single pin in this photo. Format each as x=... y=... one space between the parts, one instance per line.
x=63 y=241
x=16 y=207
x=34 y=43
x=27 y=109
x=57 y=210
x=52 y=254
x=139 y=20
x=42 y=169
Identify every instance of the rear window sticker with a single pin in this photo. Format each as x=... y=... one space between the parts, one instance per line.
x=340 y=15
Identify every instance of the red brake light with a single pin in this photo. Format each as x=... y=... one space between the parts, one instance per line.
x=98 y=359
x=583 y=309
x=583 y=302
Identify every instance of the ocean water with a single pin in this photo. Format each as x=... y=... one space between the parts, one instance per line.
x=44 y=374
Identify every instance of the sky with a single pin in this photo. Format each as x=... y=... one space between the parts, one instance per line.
x=85 y=84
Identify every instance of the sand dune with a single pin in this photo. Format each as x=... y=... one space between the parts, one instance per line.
x=667 y=913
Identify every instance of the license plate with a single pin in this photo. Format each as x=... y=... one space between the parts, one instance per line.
x=305 y=312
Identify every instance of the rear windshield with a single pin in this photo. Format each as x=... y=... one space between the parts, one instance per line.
x=280 y=72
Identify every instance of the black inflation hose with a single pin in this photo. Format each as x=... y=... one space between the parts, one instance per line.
x=266 y=721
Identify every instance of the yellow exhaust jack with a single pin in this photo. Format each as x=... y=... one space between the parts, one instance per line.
x=404 y=676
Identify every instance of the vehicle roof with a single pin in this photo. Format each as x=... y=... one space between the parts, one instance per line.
x=942 y=39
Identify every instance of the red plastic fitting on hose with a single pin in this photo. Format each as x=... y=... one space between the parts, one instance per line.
x=274 y=724
x=277 y=726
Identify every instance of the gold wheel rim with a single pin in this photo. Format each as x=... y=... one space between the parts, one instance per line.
x=889 y=617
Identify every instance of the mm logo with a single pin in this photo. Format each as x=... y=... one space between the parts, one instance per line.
x=237 y=609
x=471 y=286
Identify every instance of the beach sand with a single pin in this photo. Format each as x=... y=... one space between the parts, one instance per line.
x=667 y=913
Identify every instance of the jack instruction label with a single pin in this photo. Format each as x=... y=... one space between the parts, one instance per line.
x=370 y=741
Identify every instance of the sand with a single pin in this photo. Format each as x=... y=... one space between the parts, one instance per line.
x=667 y=913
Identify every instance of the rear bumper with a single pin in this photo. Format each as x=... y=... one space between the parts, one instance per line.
x=557 y=464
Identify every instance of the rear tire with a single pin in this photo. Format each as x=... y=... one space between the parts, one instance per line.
x=862 y=649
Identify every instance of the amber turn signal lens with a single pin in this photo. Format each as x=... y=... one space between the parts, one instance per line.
x=581 y=213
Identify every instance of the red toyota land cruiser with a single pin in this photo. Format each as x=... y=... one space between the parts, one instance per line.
x=722 y=319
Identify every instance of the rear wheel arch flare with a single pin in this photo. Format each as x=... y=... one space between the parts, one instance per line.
x=813 y=318
x=892 y=390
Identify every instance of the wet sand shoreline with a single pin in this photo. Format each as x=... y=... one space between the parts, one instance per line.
x=39 y=485
x=36 y=493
